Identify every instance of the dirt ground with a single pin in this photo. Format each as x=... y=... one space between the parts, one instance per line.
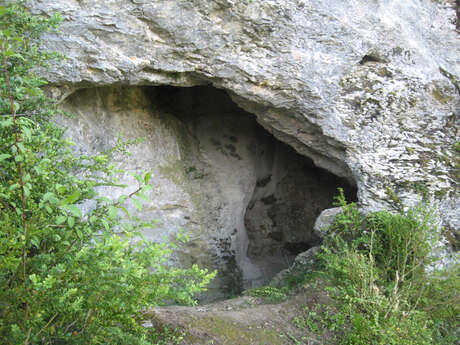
x=243 y=320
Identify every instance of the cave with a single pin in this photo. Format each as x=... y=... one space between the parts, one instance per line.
x=261 y=190
x=247 y=200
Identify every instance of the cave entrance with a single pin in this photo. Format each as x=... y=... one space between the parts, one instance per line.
x=261 y=197
x=289 y=195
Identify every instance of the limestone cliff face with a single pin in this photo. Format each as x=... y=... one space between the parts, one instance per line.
x=368 y=90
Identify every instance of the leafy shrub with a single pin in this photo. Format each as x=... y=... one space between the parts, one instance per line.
x=377 y=265
x=67 y=276
x=269 y=294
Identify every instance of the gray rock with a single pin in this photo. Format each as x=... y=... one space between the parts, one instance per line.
x=303 y=263
x=325 y=220
x=368 y=90
x=306 y=258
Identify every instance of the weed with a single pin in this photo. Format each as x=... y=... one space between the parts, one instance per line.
x=269 y=294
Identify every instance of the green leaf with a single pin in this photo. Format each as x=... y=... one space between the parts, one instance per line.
x=76 y=212
x=14 y=186
x=71 y=221
x=21 y=146
x=147 y=177
x=73 y=197
x=27 y=191
x=137 y=177
x=122 y=199
x=60 y=219
x=127 y=227
x=138 y=204
x=106 y=225
x=60 y=189
x=4 y=156
x=47 y=196
x=31 y=91
x=27 y=132
x=18 y=56
x=103 y=199
x=50 y=197
x=8 y=122
x=143 y=196
x=2 y=10
x=124 y=210
x=35 y=241
x=33 y=278
x=113 y=212
x=147 y=187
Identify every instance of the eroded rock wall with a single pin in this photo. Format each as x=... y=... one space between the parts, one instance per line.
x=369 y=90
x=247 y=201
x=350 y=84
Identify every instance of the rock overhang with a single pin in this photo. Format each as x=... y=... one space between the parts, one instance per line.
x=367 y=90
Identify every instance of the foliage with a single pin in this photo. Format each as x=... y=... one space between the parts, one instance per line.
x=377 y=266
x=321 y=319
x=74 y=268
x=269 y=294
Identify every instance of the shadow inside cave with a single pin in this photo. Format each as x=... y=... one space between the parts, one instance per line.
x=262 y=197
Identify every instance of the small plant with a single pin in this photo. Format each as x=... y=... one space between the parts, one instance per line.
x=269 y=294
x=457 y=147
x=376 y=266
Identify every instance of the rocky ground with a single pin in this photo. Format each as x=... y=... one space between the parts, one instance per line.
x=244 y=320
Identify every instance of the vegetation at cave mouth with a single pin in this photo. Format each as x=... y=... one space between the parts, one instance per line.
x=74 y=267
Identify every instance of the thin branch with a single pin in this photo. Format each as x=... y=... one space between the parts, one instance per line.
x=21 y=178
x=49 y=322
x=88 y=314
x=129 y=196
x=28 y=336
x=70 y=325
x=18 y=115
x=66 y=251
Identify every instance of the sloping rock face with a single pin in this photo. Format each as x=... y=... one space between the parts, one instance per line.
x=367 y=90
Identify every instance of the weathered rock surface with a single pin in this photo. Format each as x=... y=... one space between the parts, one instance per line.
x=247 y=201
x=246 y=320
x=368 y=90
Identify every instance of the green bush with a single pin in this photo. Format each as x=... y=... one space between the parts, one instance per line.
x=67 y=276
x=385 y=279
x=269 y=294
